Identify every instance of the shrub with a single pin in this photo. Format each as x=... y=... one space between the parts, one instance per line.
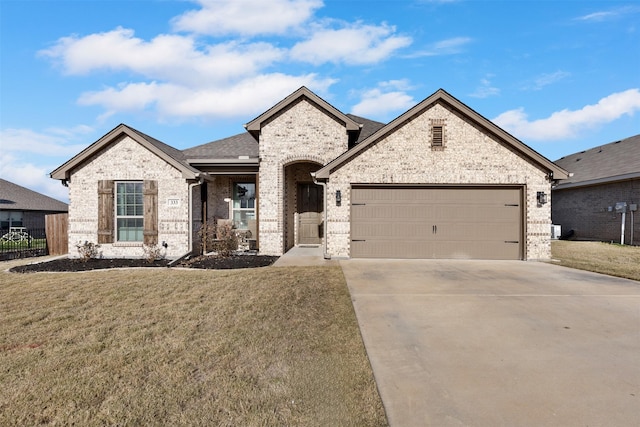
x=153 y=253
x=227 y=240
x=88 y=250
x=219 y=237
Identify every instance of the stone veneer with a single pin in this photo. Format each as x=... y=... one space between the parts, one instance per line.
x=300 y=133
x=469 y=156
x=124 y=160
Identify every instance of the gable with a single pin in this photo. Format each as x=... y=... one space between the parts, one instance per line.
x=254 y=126
x=443 y=100
x=168 y=154
x=469 y=155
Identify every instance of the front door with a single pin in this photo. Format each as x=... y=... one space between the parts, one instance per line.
x=310 y=204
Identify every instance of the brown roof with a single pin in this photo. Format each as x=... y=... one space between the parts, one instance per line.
x=368 y=126
x=442 y=96
x=616 y=161
x=171 y=155
x=16 y=197
x=232 y=147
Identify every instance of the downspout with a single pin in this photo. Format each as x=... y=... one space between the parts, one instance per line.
x=190 y=217
x=325 y=252
x=199 y=182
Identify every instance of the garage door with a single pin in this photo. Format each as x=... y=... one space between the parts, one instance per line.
x=411 y=222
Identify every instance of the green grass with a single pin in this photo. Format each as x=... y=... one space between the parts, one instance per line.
x=612 y=259
x=261 y=347
x=25 y=244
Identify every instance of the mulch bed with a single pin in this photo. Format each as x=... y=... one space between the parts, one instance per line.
x=231 y=262
x=203 y=262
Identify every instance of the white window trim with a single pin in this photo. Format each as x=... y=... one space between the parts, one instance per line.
x=233 y=209
x=116 y=240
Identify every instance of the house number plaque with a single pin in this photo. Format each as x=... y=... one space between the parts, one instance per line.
x=173 y=202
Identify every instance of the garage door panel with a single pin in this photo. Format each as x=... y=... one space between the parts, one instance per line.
x=483 y=223
x=408 y=231
x=471 y=233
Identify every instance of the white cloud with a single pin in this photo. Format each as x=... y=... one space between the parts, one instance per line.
x=246 y=17
x=354 y=44
x=569 y=124
x=36 y=178
x=29 y=156
x=246 y=97
x=606 y=15
x=387 y=98
x=183 y=76
x=550 y=78
x=165 y=57
x=450 y=46
x=52 y=142
x=485 y=90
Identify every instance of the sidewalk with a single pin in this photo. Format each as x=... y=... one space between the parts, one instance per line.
x=304 y=256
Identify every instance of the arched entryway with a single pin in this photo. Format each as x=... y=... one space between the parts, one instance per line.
x=303 y=207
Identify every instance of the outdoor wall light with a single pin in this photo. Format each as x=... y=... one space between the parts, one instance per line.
x=338 y=198
x=226 y=199
x=542 y=198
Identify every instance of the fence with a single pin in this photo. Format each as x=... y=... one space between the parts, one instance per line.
x=57 y=233
x=20 y=242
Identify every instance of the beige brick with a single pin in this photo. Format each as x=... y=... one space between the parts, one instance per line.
x=125 y=159
x=469 y=157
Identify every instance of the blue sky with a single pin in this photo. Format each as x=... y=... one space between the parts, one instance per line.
x=562 y=76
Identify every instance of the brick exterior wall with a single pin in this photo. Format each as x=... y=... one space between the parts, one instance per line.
x=301 y=133
x=469 y=156
x=125 y=159
x=585 y=210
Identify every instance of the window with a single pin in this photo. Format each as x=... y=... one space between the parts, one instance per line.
x=129 y=212
x=244 y=204
x=10 y=219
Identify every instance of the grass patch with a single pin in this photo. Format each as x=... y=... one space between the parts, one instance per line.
x=7 y=245
x=612 y=259
x=261 y=347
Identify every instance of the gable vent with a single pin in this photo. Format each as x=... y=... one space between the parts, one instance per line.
x=437 y=140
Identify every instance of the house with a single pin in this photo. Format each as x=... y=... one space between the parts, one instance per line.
x=605 y=182
x=439 y=181
x=21 y=207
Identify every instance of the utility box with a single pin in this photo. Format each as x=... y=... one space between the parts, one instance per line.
x=556 y=231
x=621 y=207
x=633 y=207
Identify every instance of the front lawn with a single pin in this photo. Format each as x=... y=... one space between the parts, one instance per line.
x=607 y=258
x=259 y=347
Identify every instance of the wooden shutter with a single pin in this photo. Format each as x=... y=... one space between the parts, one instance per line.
x=150 y=212
x=105 y=211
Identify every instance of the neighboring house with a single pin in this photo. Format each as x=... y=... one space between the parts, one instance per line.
x=21 y=207
x=440 y=181
x=602 y=178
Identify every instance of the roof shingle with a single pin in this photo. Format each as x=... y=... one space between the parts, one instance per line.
x=16 y=197
x=232 y=147
x=608 y=162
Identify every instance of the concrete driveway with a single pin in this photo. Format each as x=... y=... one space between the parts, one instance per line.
x=499 y=343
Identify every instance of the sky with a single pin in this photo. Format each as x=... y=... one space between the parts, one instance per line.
x=560 y=75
